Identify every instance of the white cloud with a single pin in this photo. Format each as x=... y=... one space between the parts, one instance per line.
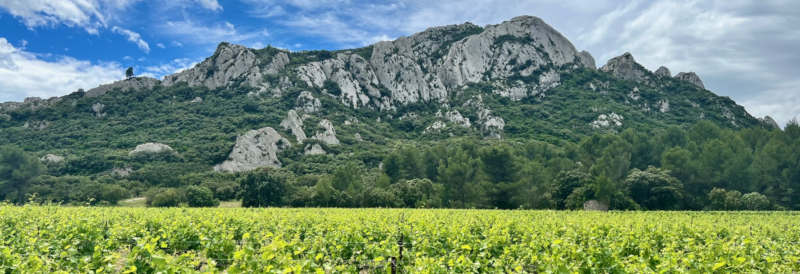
x=160 y=45
x=90 y=15
x=25 y=74
x=133 y=37
x=740 y=49
x=196 y=33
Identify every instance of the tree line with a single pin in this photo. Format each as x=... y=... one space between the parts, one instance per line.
x=700 y=167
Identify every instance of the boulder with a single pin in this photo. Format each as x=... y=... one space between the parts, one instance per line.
x=314 y=149
x=154 y=148
x=255 y=149
x=328 y=134
x=51 y=159
x=294 y=123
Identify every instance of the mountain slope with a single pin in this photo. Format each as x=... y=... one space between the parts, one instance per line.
x=517 y=79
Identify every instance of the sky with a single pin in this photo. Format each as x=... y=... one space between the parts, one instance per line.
x=747 y=50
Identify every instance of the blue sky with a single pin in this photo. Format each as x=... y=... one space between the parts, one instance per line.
x=743 y=49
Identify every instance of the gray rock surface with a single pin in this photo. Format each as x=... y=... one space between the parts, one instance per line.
x=136 y=83
x=98 y=108
x=690 y=77
x=151 y=148
x=255 y=149
x=229 y=63
x=307 y=102
x=626 y=68
x=328 y=134
x=51 y=159
x=587 y=60
x=294 y=123
x=663 y=71
x=314 y=149
x=607 y=121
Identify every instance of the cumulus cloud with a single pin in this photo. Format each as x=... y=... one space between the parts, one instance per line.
x=740 y=49
x=90 y=15
x=25 y=74
x=133 y=37
x=190 y=31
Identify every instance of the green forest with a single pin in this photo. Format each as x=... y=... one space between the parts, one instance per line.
x=702 y=167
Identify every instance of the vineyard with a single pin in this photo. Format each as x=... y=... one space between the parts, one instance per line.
x=46 y=239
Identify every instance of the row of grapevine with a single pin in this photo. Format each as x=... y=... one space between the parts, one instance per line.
x=38 y=239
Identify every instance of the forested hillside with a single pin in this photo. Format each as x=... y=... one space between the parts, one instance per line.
x=506 y=116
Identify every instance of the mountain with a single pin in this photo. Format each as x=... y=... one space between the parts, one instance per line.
x=242 y=108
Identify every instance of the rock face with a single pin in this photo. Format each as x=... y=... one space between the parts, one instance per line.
x=51 y=159
x=626 y=68
x=428 y=66
x=98 y=110
x=229 y=63
x=255 y=149
x=663 y=71
x=136 y=83
x=328 y=135
x=294 y=123
x=690 y=77
x=307 y=102
x=151 y=148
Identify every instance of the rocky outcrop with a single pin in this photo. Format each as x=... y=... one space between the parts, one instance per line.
x=587 y=60
x=768 y=122
x=663 y=105
x=136 y=83
x=98 y=108
x=294 y=123
x=229 y=64
x=436 y=126
x=307 y=102
x=255 y=149
x=153 y=148
x=690 y=77
x=607 y=121
x=37 y=125
x=663 y=71
x=328 y=133
x=314 y=149
x=455 y=117
x=51 y=159
x=492 y=126
x=625 y=67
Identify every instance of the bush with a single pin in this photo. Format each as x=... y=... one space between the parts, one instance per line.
x=169 y=197
x=199 y=196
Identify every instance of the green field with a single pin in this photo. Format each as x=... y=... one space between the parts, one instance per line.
x=42 y=239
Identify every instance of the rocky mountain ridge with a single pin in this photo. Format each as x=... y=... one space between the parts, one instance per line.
x=492 y=81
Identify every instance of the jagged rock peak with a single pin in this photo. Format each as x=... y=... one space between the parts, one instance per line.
x=135 y=83
x=663 y=71
x=626 y=68
x=690 y=77
x=230 y=62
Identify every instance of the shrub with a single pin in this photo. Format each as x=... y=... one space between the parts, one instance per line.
x=199 y=196
x=169 y=197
